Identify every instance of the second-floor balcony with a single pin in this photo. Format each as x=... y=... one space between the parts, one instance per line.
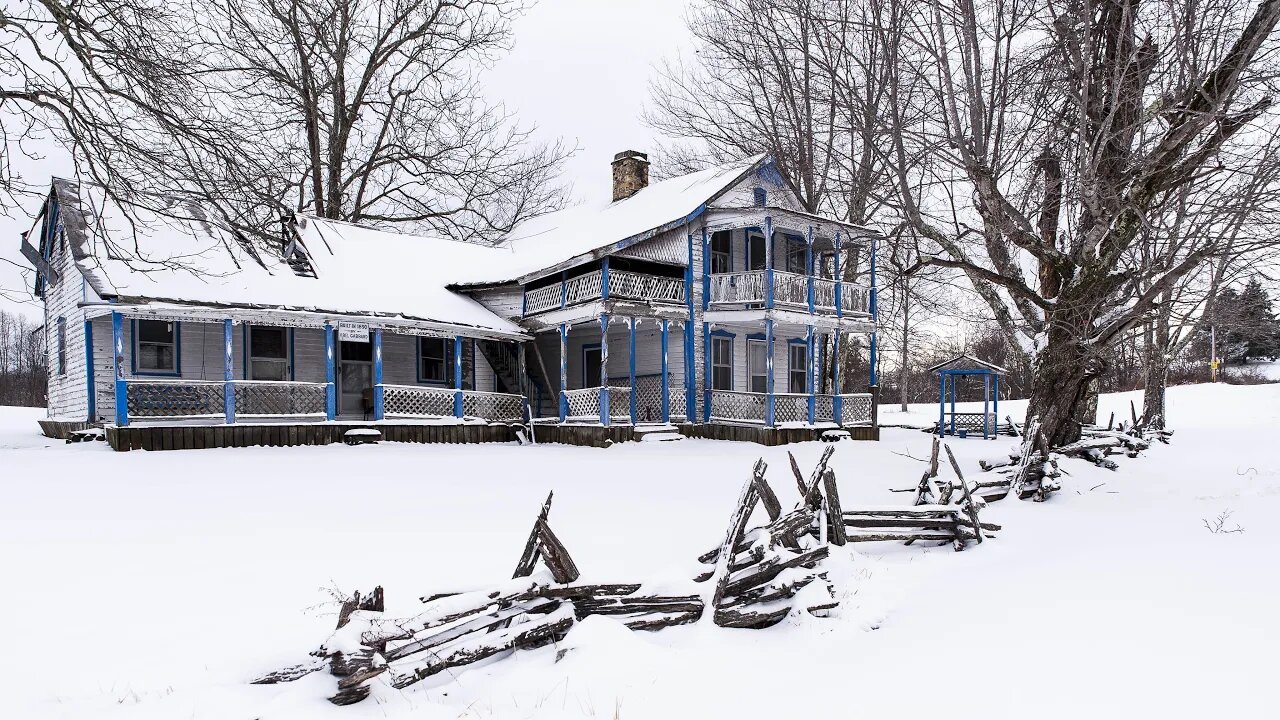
x=790 y=290
x=596 y=285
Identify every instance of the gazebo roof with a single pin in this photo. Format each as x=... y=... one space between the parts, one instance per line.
x=967 y=362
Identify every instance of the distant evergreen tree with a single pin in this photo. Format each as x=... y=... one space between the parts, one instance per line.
x=1246 y=326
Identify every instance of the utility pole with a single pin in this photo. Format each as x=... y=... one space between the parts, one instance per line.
x=1213 y=353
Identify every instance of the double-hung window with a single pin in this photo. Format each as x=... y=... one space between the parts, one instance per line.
x=721 y=363
x=758 y=365
x=435 y=360
x=268 y=353
x=721 y=253
x=156 y=346
x=798 y=368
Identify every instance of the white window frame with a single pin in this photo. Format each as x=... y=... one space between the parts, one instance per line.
x=797 y=371
x=175 y=334
x=254 y=358
x=727 y=366
x=753 y=372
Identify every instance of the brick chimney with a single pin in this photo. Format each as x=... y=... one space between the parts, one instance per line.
x=630 y=174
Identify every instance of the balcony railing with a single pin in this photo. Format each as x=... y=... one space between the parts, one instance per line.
x=790 y=290
x=622 y=284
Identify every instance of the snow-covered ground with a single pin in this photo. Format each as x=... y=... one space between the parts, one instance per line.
x=154 y=585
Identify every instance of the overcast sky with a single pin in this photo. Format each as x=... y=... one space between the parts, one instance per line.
x=579 y=71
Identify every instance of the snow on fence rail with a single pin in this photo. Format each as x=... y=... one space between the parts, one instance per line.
x=756 y=577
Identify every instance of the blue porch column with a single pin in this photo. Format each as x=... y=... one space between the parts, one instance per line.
x=91 y=385
x=837 y=402
x=706 y=372
x=808 y=269
x=378 y=407
x=117 y=359
x=457 y=376
x=768 y=262
x=995 y=399
x=690 y=375
x=835 y=270
x=953 y=404
x=564 y=371
x=706 y=271
x=986 y=401
x=769 y=403
x=666 y=380
x=604 y=278
x=942 y=404
x=228 y=374
x=330 y=374
x=808 y=370
x=631 y=367
x=604 y=368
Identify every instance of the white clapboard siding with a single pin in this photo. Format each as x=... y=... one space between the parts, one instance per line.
x=506 y=301
x=671 y=247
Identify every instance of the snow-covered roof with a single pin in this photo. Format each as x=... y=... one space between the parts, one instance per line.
x=176 y=255
x=969 y=362
x=552 y=240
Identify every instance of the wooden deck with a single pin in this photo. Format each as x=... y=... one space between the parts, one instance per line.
x=196 y=437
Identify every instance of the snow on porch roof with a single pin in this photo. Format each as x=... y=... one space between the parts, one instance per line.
x=176 y=255
x=967 y=361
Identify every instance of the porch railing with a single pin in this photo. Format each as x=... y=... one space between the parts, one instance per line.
x=492 y=406
x=583 y=404
x=263 y=398
x=855 y=409
x=790 y=408
x=789 y=290
x=424 y=401
x=416 y=401
x=590 y=286
x=148 y=398
x=737 y=406
x=620 y=404
x=824 y=408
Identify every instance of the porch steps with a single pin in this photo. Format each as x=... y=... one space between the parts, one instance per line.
x=658 y=433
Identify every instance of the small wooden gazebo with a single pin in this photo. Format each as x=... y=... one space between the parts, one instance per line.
x=951 y=421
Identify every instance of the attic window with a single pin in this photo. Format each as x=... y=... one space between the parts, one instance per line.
x=761 y=197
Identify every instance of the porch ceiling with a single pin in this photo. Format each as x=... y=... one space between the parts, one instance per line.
x=788 y=320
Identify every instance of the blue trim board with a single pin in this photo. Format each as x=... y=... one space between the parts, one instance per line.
x=117 y=360
x=330 y=373
x=92 y=411
x=177 y=352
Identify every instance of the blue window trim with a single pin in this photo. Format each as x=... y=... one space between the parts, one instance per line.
x=244 y=349
x=791 y=368
x=746 y=244
x=448 y=362
x=733 y=352
x=585 y=348
x=177 y=351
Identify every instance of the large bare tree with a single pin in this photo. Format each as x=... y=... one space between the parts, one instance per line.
x=1073 y=124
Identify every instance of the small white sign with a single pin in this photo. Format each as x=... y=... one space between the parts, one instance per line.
x=353 y=332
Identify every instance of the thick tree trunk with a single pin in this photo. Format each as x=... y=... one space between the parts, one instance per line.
x=1156 y=359
x=1065 y=376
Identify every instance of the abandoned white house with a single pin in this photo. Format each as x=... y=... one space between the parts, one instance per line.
x=702 y=300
